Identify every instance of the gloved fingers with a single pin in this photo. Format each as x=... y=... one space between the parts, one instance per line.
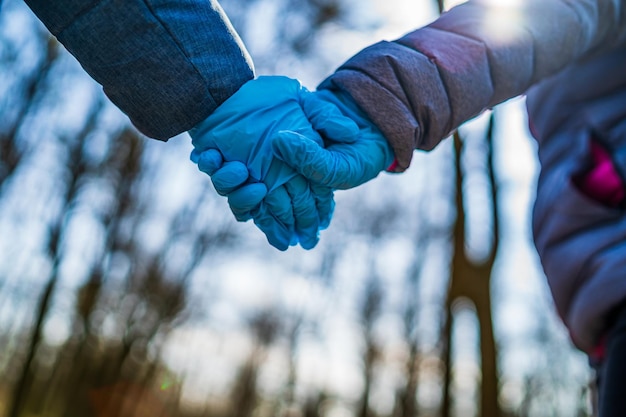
x=229 y=177
x=326 y=118
x=245 y=199
x=325 y=203
x=195 y=154
x=277 y=233
x=304 y=211
x=317 y=164
x=208 y=161
x=279 y=205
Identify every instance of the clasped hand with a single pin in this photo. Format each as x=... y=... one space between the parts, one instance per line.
x=277 y=151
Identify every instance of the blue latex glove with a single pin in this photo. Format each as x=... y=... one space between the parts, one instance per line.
x=259 y=186
x=339 y=165
x=229 y=179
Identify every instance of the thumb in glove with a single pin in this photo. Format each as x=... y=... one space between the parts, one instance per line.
x=342 y=164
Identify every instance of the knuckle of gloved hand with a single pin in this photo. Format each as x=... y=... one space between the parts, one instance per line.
x=209 y=162
x=248 y=197
x=230 y=175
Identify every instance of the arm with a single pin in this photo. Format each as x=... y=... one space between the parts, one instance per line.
x=421 y=87
x=167 y=65
x=176 y=66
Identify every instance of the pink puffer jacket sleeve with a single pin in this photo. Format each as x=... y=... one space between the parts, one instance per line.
x=421 y=87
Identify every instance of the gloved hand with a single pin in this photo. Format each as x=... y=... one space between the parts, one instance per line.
x=229 y=179
x=340 y=165
x=259 y=186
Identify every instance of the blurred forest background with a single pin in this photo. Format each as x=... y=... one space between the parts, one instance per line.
x=128 y=289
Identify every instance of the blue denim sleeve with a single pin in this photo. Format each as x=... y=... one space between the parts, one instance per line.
x=166 y=64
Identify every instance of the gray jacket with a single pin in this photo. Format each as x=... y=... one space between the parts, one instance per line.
x=421 y=87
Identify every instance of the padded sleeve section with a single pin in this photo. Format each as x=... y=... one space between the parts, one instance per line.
x=420 y=88
x=377 y=78
x=166 y=64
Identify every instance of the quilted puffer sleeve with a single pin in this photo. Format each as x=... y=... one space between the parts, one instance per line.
x=421 y=87
x=166 y=64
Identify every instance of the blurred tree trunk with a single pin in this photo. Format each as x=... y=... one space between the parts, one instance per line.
x=471 y=280
x=33 y=87
x=287 y=403
x=265 y=326
x=371 y=309
x=406 y=402
x=406 y=396
x=76 y=171
x=314 y=406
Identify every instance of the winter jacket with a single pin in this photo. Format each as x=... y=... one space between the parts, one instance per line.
x=582 y=242
x=166 y=64
x=421 y=87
